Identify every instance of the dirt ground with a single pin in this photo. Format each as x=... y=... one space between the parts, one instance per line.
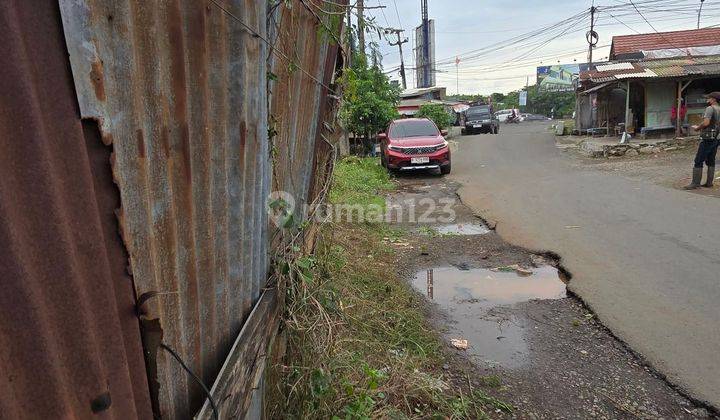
x=669 y=169
x=568 y=365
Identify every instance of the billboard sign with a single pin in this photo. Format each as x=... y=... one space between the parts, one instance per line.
x=425 y=76
x=559 y=77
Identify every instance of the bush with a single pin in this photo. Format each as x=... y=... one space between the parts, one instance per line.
x=437 y=114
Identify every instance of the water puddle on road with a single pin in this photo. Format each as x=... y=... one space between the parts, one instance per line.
x=463 y=229
x=477 y=301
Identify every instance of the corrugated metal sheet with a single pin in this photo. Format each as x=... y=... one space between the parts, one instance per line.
x=69 y=341
x=179 y=89
x=614 y=66
x=295 y=140
x=180 y=92
x=633 y=75
x=672 y=67
x=704 y=69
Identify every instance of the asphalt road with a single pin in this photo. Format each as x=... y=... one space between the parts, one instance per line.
x=644 y=257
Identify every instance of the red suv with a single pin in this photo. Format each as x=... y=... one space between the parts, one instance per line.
x=414 y=143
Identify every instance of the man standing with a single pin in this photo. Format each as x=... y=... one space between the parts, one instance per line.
x=708 y=143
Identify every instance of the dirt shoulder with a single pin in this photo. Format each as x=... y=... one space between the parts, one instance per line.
x=670 y=168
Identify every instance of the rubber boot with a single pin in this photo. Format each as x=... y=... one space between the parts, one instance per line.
x=696 y=179
x=710 y=177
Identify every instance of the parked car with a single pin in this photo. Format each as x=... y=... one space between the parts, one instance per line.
x=412 y=144
x=480 y=119
x=503 y=114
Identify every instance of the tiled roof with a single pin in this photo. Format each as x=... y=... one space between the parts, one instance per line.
x=627 y=44
x=669 y=67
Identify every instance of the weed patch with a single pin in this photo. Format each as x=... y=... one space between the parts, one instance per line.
x=360 y=181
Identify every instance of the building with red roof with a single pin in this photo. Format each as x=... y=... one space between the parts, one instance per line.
x=647 y=76
x=693 y=42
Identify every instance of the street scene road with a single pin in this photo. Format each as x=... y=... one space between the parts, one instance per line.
x=644 y=257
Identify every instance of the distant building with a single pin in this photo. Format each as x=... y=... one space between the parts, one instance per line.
x=412 y=99
x=434 y=92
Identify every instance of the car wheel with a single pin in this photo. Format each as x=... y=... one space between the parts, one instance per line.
x=444 y=170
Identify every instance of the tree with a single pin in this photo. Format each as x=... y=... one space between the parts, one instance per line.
x=437 y=114
x=370 y=101
x=538 y=102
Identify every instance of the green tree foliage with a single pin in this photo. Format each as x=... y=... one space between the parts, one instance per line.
x=370 y=101
x=539 y=101
x=437 y=114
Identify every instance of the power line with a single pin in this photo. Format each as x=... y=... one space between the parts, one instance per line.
x=653 y=28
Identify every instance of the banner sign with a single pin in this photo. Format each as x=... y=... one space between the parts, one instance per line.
x=523 y=98
x=559 y=77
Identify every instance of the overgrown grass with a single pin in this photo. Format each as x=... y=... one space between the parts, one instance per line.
x=360 y=181
x=358 y=343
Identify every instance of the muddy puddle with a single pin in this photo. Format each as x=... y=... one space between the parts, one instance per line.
x=463 y=229
x=477 y=301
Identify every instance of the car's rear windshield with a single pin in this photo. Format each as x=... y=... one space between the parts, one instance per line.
x=480 y=112
x=413 y=129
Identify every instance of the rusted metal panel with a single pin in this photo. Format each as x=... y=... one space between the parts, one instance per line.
x=242 y=371
x=69 y=340
x=179 y=90
x=300 y=102
x=303 y=106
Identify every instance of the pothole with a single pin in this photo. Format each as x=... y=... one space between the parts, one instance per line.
x=463 y=229
x=477 y=302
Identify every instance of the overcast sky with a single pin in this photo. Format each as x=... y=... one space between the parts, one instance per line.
x=464 y=28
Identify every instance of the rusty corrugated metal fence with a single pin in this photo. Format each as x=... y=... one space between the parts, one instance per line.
x=69 y=339
x=178 y=92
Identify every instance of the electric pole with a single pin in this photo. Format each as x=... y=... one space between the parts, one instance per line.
x=591 y=36
x=399 y=43
x=700 y=11
x=361 y=25
x=350 y=41
x=457 y=75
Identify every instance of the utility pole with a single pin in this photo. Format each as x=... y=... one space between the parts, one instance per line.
x=350 y=40
x=361 y=25
x=700 y=11
x=399 y=43
x=457 y=75
x=591 y=36
x=344 y=143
